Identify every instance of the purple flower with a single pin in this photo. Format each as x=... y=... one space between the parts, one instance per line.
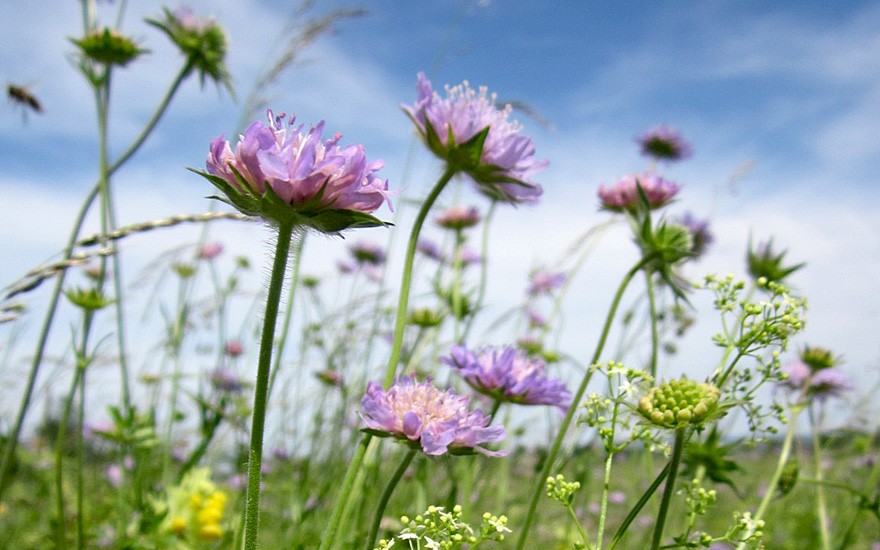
x=209 y=251
x=822 y=384
x=458 y=217
x=544 y=282
x=312 y=182
x=453 y=128
x=430 y=249
x=470 y=256
x=435 y=421
x=224 y=380
x=508 y=374
x=664 y=143
x=233 y=348
x=624 y=194
x=114 y=475
x=700 y=233
x=536 y=318
x=367 y=253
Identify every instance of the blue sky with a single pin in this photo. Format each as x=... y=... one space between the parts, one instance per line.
x=783 y=98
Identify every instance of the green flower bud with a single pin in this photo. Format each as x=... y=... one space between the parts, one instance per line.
x=765 y=265
x=818 y=358
x=202 y=41
x=680 y=403
x=109 y=47
x=425 y=317
x=90 y=299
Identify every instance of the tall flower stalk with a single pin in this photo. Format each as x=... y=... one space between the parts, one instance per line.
x=296 y=182
x=475 y=138
x=579 y=394
x=107 y=168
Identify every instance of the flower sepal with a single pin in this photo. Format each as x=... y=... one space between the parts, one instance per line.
x=272 y=207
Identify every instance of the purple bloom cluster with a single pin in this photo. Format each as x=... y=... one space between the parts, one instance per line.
x=433 y=420
x=368 y=252
x=224 y=380
x=507 y=162
x=700 y=233
x=510 y=375
x=664 y=143
x=624 y=194
x=821 y=384
x=302 y=170
x=458 y=217
x=545 y=282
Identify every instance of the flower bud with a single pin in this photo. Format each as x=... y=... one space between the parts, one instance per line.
x=680 y=403
x=109 y=47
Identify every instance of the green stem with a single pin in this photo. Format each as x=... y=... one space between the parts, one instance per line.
x=60 y=445
x=674 y=462
x=43 y=339
x=821 y=507
x=255 y=458
x=386 y=496
x=344 y=493
x=484 y=270
x=606 y=484
x=652 y=305
x=80 y=463
x=631 y=516
x=780 y=466
x=288 y=312
x=456 y=286
x=406 y=282
x=566 y=422
x=154 y=120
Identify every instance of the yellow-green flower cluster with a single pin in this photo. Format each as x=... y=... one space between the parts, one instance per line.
x=195 y=508
x=560 y=490
x=441 y=530
x=680 y=403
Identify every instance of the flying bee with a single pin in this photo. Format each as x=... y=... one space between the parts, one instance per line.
x=23 y=97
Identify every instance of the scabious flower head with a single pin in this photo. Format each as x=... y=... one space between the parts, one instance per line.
x=209 y=251
x=201 y=40
x=545 y=282
x=233 y=348
x=430 y=249
x=700 y=234
x=458 y=218
x=367 y=253
x=664 y=143
x=286 y=177
x=821 y=384
x=680 y=403
x=508 y=374
x=624 y=195
x=470 y=256
x=109 y=47
x=474 y=136
x=331 y=378
x=425 y=417
x=224 y=380
x=818 y=358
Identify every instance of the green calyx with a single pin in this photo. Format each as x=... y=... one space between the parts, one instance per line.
x=90 y=299
x=680 y=403
x=425 y=317
x=269 y=206
x=764 y=263
x=203 y=44
x=109 y=47
x=818 y=358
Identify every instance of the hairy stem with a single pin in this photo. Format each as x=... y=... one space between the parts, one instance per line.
x=255 y=457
